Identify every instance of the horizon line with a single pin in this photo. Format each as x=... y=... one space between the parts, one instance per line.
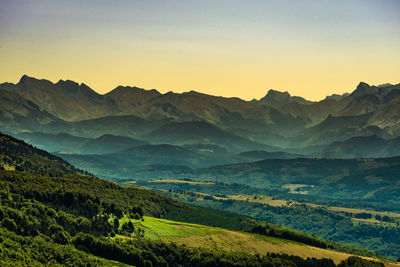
x=189 y=91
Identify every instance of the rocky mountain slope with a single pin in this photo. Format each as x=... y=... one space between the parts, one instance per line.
x=278 y=119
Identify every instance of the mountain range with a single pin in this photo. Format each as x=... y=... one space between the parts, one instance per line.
x=276 y=120
x=66 y=143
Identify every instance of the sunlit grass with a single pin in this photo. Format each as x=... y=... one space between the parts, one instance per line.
x=156 y=229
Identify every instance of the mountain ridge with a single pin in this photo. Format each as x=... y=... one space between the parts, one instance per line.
x=277 y=99
x=361 y=89
x=285 y=122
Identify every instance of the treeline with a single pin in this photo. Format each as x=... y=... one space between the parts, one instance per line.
x=86 y=196
x=293 y=235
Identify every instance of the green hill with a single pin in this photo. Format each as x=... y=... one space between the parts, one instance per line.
x=71 y=219
x=17 y=155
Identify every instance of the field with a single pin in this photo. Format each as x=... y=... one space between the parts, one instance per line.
x=195 y=235
x=376 y=216
x=180 y=181
x=289 y=203
x=297 y=188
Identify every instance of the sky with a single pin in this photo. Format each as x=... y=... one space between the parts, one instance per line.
x=221 y=47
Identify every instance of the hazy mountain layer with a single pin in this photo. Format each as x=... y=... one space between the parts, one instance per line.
x=278 y=119
x=365 y=146
x=200 y=132
x=72 y=144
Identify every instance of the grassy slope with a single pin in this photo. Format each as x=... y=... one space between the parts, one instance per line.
x=195 y=235
x=364 y=228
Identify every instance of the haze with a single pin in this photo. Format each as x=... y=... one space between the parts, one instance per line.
x=229 y=48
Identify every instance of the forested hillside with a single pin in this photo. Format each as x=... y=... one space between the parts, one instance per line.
x=17 y=155
x=67 y=218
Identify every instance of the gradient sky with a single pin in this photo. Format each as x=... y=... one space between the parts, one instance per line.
x=310 y=48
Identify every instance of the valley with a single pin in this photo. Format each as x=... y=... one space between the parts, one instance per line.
x=329 y=219
x=50 y=208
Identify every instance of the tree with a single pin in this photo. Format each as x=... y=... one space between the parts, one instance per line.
x=116 y=225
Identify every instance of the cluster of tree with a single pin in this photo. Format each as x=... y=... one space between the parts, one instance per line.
x=17 y=250
x=363 y=215
x=86 y=196
x=285 y=233
x=356 y=261
x=127 y=229
x=384 y=218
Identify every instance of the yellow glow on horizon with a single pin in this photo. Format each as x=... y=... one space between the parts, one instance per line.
x=234 y=70
x=228 y=48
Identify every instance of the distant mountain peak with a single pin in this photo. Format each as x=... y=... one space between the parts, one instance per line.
x=84 y=85
x=362 y=89
x=135 y=88
x=71 y=83
x=193 y=92
x=68 y=86
x=72 y=87
x=337 y=97
x=274 y=93
x=130 y=89
x=385 y=85
x=26 y=81
x=362 y=85
x=25 y=78
x=67 y=82
x=277 y=99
